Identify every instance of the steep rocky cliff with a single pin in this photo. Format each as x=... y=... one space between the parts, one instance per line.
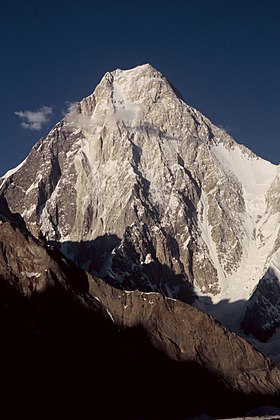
x=262 y=316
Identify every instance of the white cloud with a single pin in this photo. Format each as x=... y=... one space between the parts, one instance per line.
x=75 y=117
x=72 y=107
x=228 y=129
x=34 y=120
x=126 y=113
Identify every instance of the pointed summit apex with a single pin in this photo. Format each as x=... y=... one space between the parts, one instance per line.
x=143 y=69
x=139 y=84
x=147 y=72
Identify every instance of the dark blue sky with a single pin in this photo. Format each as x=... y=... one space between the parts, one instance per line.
x=223 y=56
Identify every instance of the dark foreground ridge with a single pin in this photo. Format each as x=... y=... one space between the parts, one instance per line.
x=74 y=346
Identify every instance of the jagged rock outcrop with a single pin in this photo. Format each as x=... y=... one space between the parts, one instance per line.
x=185 y=333
x=88 y=347
x=262 y=316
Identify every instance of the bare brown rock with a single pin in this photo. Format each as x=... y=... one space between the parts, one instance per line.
x=186 y=334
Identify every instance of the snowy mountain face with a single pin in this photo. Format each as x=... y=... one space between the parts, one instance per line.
x=138 y=187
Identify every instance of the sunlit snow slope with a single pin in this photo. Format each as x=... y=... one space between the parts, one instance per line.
x=260 y=222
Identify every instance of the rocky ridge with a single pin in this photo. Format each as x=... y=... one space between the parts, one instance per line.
x=262 y=316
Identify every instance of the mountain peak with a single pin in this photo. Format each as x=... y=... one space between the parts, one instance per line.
x=131 y=96
x=140 y=78
x=141 y=188
x=146 y=71
x=143 y=69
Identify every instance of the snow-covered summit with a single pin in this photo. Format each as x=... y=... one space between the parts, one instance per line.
x=143 y=69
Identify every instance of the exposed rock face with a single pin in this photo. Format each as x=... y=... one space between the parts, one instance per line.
x=262 y=316
x=88 y=347
x=186 y=334
x=142 y=190
x=31 y=268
